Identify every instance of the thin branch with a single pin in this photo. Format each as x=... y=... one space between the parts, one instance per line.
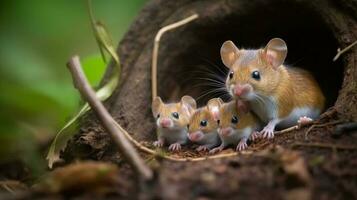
x=166 y=157
x=156 y=50
x=340 y=52
x=325 y=145
x=293 y=128
x=8 y=188
x=128 y=151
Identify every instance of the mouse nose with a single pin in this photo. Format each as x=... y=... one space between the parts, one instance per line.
x=226 y=131
x=165 y=122
x=241 y=90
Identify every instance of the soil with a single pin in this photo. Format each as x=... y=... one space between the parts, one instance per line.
x=310 y=163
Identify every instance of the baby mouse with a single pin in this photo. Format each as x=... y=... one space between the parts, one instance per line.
x=236 y=125
x=277 y=94
x=203 y=125
x=172 y=120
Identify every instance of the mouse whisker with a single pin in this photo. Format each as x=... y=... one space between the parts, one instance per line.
x=209 y=79
x=220 y=69
x=214 y=85
x=259 y=99
x=218 y=90
x=210 y=75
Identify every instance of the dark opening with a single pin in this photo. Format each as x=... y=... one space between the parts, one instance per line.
x=311 y=45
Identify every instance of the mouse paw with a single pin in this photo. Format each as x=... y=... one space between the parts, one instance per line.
x=241 y=145
x=158 y=143
x=202 y=148
x=255 y=135
x=175 y=147
x=267 y=132
x=304 y=120
x=216 y=150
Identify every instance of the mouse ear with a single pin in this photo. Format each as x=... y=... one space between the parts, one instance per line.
x=275 y=52
x=229 y=53
x=155 y=106
x=188 y=104
x=213 y=106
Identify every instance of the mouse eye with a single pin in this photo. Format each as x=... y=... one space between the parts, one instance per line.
x=218 y=121
x=158 y=116
x=188 y=126
x=234 y=119
x=175 y=115
x=256 y=75
x=203 y=123
x=231 y=74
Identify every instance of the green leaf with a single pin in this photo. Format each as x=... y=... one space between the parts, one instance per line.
x=62 y=137
x=102 y=37
x=104 y=40
x=65 y=134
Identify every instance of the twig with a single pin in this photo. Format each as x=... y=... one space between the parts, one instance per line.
x=340 y=52
x=166 y=157
x=293 y=128
x=6 y=187
x=156 y=50
x=321 y=125
x=171 y=158
x=191 y=159
x=128 y=151
x=325 y=145
x=287 y=130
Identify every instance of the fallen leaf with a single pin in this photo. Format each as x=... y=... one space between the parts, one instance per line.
x=79 y=177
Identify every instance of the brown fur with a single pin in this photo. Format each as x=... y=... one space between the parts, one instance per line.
x=166 y=111
x=206 y=113
x=228 y=110
x=291 y=87
x=198 y=116
x=184 y=108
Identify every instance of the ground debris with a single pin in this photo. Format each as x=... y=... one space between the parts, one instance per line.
x=89 y=176
x=12 y=186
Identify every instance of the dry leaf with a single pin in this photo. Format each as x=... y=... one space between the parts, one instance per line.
x=80 y=177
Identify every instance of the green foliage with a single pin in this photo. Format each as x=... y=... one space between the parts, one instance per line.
x=106 y=45
x=93 y=67
x=36 y=41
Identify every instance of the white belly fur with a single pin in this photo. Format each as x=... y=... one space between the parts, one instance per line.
x=294 y=116
x=210 y=139
x=264 y=107
x=173 y=136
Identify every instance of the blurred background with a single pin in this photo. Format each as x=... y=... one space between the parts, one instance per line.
x=37 y=96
